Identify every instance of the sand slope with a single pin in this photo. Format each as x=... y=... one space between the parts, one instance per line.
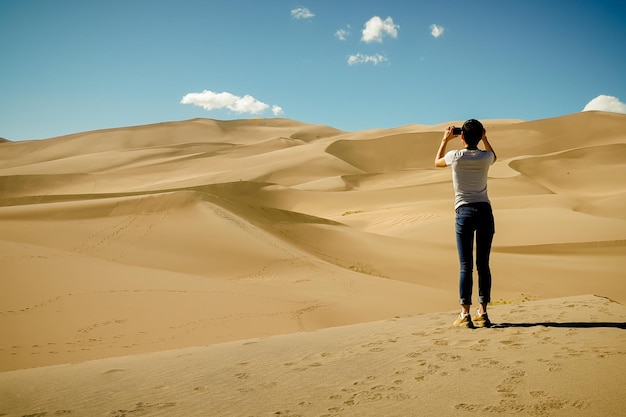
x=147 y=238
x=561 y=357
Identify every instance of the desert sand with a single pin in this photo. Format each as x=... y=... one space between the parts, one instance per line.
x=269 y=267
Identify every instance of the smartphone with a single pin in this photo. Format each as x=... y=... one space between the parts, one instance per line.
x=457 y=131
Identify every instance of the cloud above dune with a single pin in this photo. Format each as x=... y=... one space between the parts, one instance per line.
x=301 y=13
x=376 y=28
x=277 y=110
x=436 y=30
x=342 y=34
x=606 y=103
x=210 y=100
x=366 y=59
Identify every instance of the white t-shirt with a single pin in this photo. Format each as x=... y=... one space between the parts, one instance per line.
x=469 y=175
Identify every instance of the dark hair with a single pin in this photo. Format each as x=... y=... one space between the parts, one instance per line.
x=473 y=132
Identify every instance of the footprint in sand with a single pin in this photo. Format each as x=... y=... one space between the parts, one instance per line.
x=141 y=408
x=430 y=370
x=480 y=346
x=286 y=413
x=509 y=384
x=374 y=346
x=467 y=407
x=447 y=357
x=403 y=371
x=580 y=404
x=510 y=344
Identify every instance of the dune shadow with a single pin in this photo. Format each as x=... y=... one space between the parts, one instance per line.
x=571 y=324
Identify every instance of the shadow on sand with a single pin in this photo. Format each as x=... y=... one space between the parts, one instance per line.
x=573 y=325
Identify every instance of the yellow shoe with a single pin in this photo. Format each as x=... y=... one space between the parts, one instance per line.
x=463 y=321
x=481 y=320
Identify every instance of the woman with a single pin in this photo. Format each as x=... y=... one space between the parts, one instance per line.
x=474 y=217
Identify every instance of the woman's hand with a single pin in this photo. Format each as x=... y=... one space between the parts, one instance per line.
x=439 y=157
x=447 y=134
x=488 y=146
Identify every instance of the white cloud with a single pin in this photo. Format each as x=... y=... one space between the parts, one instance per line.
x=436 y=30
x=364 y=59
x=301 y=13
x=606 y=103
x=342 y=34
x=277 y=110
x=209 y=100
x=376 y=28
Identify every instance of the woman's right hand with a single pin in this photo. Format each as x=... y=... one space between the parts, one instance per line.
x=447 y=134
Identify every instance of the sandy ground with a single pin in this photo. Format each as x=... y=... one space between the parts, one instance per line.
x=208 y=240
x=560 y=357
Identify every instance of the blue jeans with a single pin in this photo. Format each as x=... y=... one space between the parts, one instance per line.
x=475 y=218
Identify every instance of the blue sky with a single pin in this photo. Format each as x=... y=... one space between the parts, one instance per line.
x=69 y=66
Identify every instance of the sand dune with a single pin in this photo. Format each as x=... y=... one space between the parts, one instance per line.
x=202 y=232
